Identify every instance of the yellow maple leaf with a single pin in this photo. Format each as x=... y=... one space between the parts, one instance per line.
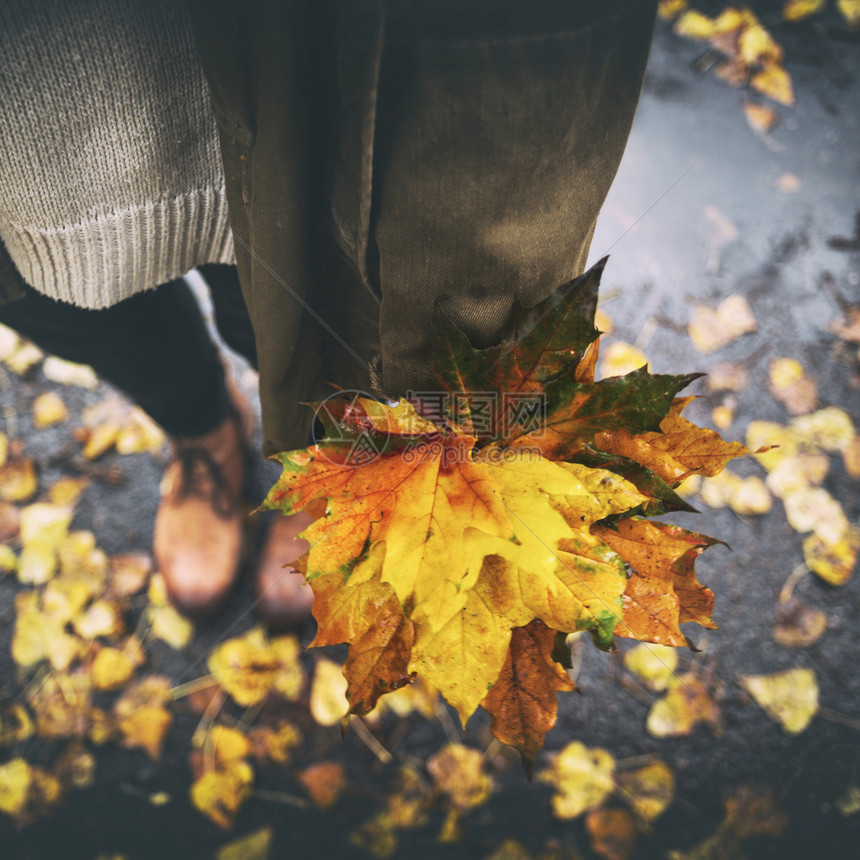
x=652 y=664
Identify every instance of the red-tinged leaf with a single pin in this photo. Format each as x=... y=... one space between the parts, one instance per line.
x=676 y=450
x=662 y=591
x=576 y=412
x=522 y=703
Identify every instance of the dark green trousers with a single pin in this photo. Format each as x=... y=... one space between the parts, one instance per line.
x=386 y=157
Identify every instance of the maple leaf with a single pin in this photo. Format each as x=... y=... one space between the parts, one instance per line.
x=522 y=703
x=456 y=545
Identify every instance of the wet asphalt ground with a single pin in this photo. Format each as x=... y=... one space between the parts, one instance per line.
x=691 y=154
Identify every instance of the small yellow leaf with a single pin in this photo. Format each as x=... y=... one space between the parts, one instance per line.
x=621 y=358
x=66 y=491
x=711 y=329
x=15 y=725
x=141 y=715
x=69 y=373
x=49 y=409
x=8 y=559
x=654 y=665
x=722 y=416
x=219 y=794
x=833 y=562
x=774 y=82
x=797 y=10
x=756 y=46
x=139 y=435
x=798 y=625
x=167 y=624
x=103 y=618
x=766 y=434
x=830 y=429
x=717 y=492
x=18 y=480
x=849 y=803
x=751 y=498
x=129 y=573
x=583 y=778
x=850 y=10
x=813 y=509
x=458 y=773
x=24 y=358
x=762 y=118
x=111 y=669
x=796 y=473
x=669 y=9
x=649 y=791
x=694 y=25
x=328 y=702
x=790 y=385
x=246 y=667
x=790 y=698
x=228 y=745
x=686 y=704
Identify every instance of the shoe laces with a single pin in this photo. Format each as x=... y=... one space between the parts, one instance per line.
x=200 y=476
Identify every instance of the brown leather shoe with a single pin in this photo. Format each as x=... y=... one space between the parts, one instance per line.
x=199 y=525
x=283 y=597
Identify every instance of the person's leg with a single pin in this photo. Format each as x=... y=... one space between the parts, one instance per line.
x=283 y=599
x=155 y=348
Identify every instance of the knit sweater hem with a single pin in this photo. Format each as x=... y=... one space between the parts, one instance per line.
x=103 y=260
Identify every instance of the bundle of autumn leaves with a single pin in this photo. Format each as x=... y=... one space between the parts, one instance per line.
x=466 y=557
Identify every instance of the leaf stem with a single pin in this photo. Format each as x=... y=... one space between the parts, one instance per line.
x=369 y=740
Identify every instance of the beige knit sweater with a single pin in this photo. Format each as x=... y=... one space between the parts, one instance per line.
x=110 y=176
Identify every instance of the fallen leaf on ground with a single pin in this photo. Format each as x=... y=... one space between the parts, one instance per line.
x=790 y=698
x=219 y=794
x=751 y=498
x=774 y=82
x=27 y=792
x=654 y=665
x=797 y=10
x=582 y=778
x=112 y=669
x=711 y=329
x=18 y=480
x=621 y=358
x=49 y=409
x=798 y=625
x=458 y=773
x=648 y=791
x=129 y=573
x=850 y=10
x=790 y=384
x=833 y=562
x=830 y=429
x=142 y=717
x=762 y=118
x=69 y=373
x=687 y=703
x=849 y=802
x=167 y=624
x=324 y=782
x=612 y=833
x=23 y=356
